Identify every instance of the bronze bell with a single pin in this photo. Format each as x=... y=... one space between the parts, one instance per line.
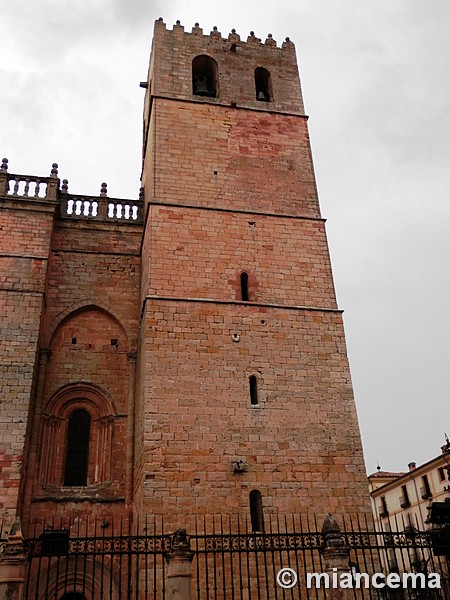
x=201 y=86
x=261 y=96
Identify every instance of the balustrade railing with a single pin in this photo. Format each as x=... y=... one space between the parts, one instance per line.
x=72 y=206
x=20 y=185
x=101 y=208
x=28 y=186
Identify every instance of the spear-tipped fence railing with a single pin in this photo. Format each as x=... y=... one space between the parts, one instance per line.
x=82 y=559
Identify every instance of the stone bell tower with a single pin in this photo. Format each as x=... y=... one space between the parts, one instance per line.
x=244 y=399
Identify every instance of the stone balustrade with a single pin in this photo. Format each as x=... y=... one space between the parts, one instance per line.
x=102 y=208
x=28 y=186
x=21 y=185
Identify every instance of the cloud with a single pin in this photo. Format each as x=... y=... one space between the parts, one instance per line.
x=134 y=14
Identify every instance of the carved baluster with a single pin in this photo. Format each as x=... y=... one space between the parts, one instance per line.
x=65 y=205
x=26 y=188
x=16 y=186
x=36 y=189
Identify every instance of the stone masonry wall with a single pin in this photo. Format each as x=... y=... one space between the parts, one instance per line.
x=300 y=443
x=25 y=234
x=197 y=253
x=224 y=157
x=90 y=328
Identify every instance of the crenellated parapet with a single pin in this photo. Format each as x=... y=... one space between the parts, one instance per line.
x=233 y=37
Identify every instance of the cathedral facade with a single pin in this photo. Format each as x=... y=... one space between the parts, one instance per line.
x=181 y=354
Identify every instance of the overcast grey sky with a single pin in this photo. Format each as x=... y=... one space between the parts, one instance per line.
x=375 y=79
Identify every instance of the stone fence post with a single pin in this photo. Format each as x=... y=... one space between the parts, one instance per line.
x=337 y=558
x=53 y=183
x=4 y=177
x=179 y=573
x=13 y=565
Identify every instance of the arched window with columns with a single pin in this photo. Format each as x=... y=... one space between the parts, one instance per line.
x=76 y=437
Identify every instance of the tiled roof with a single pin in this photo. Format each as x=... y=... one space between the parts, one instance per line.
x=380 y=474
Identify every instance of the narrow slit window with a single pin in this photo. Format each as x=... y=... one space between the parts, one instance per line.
x=77 y=450
x=256 y=511
x=253 y=389
x=244 y=286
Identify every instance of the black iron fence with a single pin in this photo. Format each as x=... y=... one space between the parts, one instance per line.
x=227 y=560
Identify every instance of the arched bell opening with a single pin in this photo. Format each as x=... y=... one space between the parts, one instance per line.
x=263 y=85
x=204 y=76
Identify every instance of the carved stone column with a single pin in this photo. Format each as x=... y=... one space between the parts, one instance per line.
x=13 y=565
x=179 y=573
x=336 y=557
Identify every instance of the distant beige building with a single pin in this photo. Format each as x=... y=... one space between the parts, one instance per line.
x=415 y=501
x=402 y=500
